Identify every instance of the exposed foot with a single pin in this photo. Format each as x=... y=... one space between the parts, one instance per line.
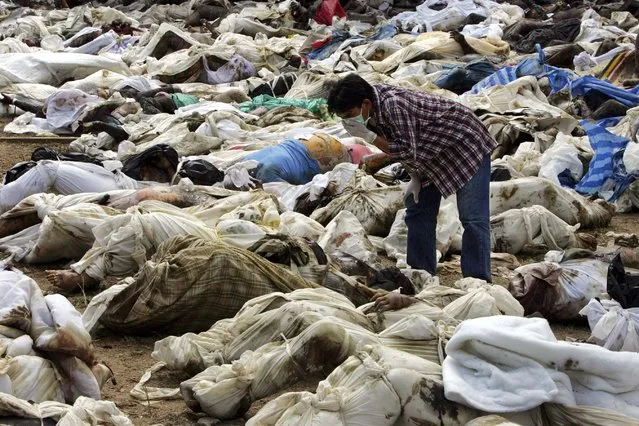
x=70 y=281
x=392 y=301
x=103 y=374
x=147 y=194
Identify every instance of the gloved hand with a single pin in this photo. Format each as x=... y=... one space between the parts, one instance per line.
x=359 y=130
x=413 y=187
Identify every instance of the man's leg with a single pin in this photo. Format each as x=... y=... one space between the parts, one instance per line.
x=26 y=105
x=421 y=220
x=474 y=212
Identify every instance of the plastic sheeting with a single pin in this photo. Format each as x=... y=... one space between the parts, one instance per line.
x=346 y=234
x=571 y=207
x=559 y=290
x=425 y=19
x=63 y=234
x=375 y=207
x=53 y=68
x=534 y=228
x=61 y=371
x=612 y=326
x=122 y=243
x=66 y=178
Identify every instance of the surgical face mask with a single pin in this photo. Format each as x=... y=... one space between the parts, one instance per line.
x=358 y=119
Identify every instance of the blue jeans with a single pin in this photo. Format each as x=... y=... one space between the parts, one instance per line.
x=474 y=213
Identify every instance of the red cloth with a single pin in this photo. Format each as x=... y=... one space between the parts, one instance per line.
x=321 y=43
x=328 y=9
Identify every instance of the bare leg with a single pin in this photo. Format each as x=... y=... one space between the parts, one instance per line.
x=113 y=130
x=69 y=281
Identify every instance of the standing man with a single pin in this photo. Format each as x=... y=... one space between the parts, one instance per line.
x=446 y=150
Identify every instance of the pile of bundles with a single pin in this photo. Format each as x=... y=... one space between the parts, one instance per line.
x=183 y=208
x=47 y=359
x=409 y=366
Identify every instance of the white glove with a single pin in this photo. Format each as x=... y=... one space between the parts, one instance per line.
x=359 y=130
x=414 y=187
x=237 y=175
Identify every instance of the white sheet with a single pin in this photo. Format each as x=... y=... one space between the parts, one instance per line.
x=509 y=364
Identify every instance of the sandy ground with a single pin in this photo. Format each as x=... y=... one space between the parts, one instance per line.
x=130 y=356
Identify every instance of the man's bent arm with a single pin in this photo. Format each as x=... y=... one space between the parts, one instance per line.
x=376 y=162
x=381 y=143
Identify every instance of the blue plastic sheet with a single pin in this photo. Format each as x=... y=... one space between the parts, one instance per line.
x=609 y=122
x=583 y=85
x=620 y=179
x=605 y=145
x=289 y=162
x=558 y=77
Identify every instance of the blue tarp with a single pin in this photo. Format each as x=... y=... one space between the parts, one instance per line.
x=558 y=77
x=620 y=179
x=609 y=122
x=585 y=84
x=605 y=145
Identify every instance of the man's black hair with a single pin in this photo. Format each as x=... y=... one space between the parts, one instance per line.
x=348 y=93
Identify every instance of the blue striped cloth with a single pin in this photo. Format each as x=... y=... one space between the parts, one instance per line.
x=605 y=145
x=499 y=78
x=558 y=77
x=609 y=122
x=621 y=179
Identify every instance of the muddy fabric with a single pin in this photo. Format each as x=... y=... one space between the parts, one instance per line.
x=300 y=256
x=191 y=283
x=535 y=229
x=623 y=286
x=608 y=109
x=461 y=79
x=285 y=114
x=124 y=243
x=205 y=12
x=524 y=35
x=558 y=291
x=563 y=58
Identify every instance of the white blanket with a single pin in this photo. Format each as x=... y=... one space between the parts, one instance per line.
x=508 y=364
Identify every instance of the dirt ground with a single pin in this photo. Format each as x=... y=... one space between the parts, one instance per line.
x=130 y=356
